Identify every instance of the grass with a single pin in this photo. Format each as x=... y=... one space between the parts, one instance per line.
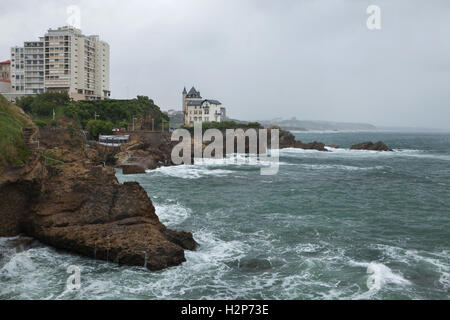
x=13 y=150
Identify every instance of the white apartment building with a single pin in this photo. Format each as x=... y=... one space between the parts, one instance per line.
x=34 y=67
x=197 y=109
x=63 y=60
x=17 y=70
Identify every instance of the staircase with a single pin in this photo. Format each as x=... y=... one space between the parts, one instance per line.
x=27 y=134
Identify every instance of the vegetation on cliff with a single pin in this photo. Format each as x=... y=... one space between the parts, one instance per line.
x=225 y=125
x=119 y=113
x=42 y=105
x=115 y=111
x=96 y=127
x=13 y=150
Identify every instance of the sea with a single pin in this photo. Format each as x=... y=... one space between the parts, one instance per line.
x=343 y=224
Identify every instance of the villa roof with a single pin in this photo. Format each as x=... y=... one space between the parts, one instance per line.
x=193 y=91
x=214 y=101
x=197 y=103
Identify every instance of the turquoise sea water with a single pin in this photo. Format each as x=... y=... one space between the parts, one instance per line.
x=337 y=225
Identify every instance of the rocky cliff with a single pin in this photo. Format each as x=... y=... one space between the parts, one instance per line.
x=64 y=198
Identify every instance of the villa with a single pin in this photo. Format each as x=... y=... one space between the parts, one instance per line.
x=197 y=109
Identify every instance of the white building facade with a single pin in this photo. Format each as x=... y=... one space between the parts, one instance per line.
x=63 y=60
x=197 y=109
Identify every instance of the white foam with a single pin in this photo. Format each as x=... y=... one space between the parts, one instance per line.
x=379 y=275
x=18 y=264
x=348 y=153
x=189 y=172
x=307 y=248
x=338 y=167
x=434 y=260
x=172 y=214
x=238 y=159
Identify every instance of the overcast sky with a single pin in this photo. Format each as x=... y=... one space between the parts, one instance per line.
x=313 y=59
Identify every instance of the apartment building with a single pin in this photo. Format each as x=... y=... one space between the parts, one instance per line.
x=18 y=70
x=5 y=79
x=5 y=70
x=63 y=60
x=34 y=67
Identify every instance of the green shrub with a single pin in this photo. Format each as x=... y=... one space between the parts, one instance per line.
x=40 y=123
x=253 y=125
x=71 y=130
x=123 y=124
x=97 y=127
x=13 y=150
x=225 y=125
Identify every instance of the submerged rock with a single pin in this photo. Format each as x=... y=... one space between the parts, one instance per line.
x=379 y=146
x=254 y=265
x=250 y=265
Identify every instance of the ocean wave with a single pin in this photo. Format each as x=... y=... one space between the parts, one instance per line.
x=339 y=167
x=189 y=172
x=349 y=153
x=239 y=160
x=205 y=167
x=434 y=261
x=379 y=275
x=172 y=214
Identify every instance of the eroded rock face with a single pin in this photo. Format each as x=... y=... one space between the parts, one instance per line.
x=81 y=207
x=145 y=153
x=378 y=146
x=133 y=169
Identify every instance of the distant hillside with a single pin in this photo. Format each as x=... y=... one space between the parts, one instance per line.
x=307 y=125
x=176 y=119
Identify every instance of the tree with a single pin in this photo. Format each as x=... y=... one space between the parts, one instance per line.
x=123 y=124
x=43 y=104
x=25 y=103
x=97 y=127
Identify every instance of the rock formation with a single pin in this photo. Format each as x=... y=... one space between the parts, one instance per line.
x=146 y=151
x=287 y=140
x=132 y=169
x=319 y=146
x=65 y=199
x=379 y=146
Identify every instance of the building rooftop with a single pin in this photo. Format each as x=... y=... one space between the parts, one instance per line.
x=193 y=93
x=200 y=102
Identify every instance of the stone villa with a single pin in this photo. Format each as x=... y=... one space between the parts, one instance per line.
x=197 y=109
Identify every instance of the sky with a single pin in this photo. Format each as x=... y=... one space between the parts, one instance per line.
x=310 y=59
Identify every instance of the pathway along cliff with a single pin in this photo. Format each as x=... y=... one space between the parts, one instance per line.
x=64 y=199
